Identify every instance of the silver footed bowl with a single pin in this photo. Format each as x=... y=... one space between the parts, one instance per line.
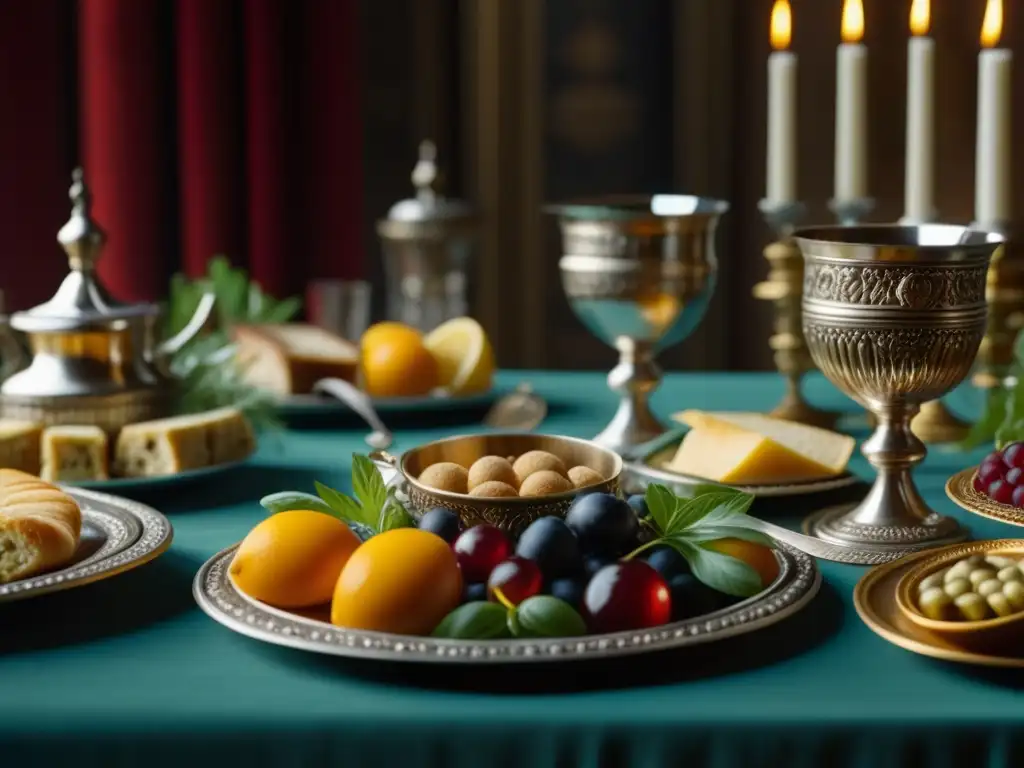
x=893 y=316
x=639 y=272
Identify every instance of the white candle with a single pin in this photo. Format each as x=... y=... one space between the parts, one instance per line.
x=851 y=172
x=992 y=203
x=781 y=153
x=919 y=189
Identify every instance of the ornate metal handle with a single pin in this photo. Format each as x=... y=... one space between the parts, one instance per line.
x=345 y=392
x=388 y=466
x=195 y=325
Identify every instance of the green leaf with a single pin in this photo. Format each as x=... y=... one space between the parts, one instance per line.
x=545 y=616
x=394 y=515
x=474 y=621
x=721 y=572
x=985 y=428
x=704 y=533
x=662 y=504
x=347 y=507
x=368 y=485
x=289 y=500
x=282 y=311
x=716 y=506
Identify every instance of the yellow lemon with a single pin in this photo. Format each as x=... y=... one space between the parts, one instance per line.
x=293 y=559
x=403 y=581
x=465 y=359
x=758 y=557
x=395 y=362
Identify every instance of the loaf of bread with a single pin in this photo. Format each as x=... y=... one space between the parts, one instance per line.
x=73 y=453
x=40 y=526
x=181 y=443
x=19 y=445
x=289 y=359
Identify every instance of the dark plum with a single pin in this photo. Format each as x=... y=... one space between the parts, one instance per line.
x=479 y=549
x=639 y=505
x=1001 y=492
x=595 y=563
x=550 y=543
x=624 y=596
x=517 y=578
x=569 y=590
x=691 y=598
x=443 y=522
x=667 y=561
x=473 y=593
x=604 y=524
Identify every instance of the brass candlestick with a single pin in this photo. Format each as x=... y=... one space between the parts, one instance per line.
x=784 y=287
x=1004 y=291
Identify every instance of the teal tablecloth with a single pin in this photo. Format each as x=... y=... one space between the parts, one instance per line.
x=129 y=673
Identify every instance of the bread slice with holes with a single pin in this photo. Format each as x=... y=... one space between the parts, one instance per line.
x=20 y=445
x=182 y=443
x=288 y=359
x=73 y=453
x=40 y=526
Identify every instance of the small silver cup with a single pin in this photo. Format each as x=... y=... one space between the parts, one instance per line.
x=639 y=272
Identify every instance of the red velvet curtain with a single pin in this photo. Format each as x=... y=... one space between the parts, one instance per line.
x=203 y=126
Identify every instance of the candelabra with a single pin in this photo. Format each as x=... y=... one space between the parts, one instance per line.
x=1005 y=294
x=784 y=288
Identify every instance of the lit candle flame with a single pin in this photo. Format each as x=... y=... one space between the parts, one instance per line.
x=992 y=26
x=920 y=17
x=853 y=21
x=781 y=25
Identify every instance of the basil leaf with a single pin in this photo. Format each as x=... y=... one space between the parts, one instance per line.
x=394 y=515
x=348 y=508
x=715 y=532
x=713 y=506
x=661 y=503
x=289 y=500
x=704 y=488
x=474 y=621
x=731 y=504
x=282 y=311
x=368 y=485
x=722 y=572
x=545 y=616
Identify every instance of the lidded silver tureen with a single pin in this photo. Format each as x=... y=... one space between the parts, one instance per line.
x=94 y=360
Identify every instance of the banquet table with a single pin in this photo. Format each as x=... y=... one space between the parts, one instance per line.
x=129 y=672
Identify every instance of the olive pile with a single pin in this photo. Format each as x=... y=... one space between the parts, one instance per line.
x=974 y=589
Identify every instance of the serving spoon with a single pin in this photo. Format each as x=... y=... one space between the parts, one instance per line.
x=380 y=438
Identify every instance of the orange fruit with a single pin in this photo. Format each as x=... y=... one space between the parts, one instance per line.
x=464 y=356
x=403 y=581
x=293 y=559
x=760 y=558
x=395 y=362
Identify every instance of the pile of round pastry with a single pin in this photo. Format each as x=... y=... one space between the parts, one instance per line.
x=535 y=473
x=974 y=589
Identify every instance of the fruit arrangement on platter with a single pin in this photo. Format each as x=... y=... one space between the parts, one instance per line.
x=534 y=473
x=1001 y=475
x=610 y=565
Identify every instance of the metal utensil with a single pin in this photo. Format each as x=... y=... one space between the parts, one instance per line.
x=521 y=409
x=380 y=438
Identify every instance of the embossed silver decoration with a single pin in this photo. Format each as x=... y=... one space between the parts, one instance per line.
x=798 y=582
x=893 y=316
x=639 y=273
x=117 y=536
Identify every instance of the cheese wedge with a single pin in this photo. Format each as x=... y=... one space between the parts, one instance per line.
x=752 y=449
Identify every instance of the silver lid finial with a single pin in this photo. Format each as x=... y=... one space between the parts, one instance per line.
x=425 y=175
x=81 y=237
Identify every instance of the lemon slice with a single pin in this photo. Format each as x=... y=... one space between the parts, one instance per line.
x=465 y=360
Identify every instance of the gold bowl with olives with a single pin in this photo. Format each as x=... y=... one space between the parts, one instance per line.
x=970 y=594
x=505 y=480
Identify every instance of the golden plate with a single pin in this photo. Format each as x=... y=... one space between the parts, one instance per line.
x=874 y=597
x=960 y=489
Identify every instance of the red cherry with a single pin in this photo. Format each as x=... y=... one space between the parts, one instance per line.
x=1013 y=455
x=1015 y=476
x=990 y=471
x=479 y=550
x=518 y=579
x=978 y=484
x=1001 y=491
x=1018 y=497
x=626 y=595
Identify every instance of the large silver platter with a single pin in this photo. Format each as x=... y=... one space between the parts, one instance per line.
x=798 y=581
x=117 y=535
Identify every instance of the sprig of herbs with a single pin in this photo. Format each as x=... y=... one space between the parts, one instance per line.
x=371 y=510
x=1002 y=420
x=688 y=524
x=537 y=616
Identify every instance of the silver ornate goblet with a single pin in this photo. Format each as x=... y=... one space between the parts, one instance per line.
x=893 y=316
x=639 y=272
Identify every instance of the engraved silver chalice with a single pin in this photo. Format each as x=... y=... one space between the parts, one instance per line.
x=893 y=316
x=638 y=272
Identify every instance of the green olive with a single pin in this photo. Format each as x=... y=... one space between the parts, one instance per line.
x=959 y=571
x=936 y=604
x=1014 y=592
x=1010 y=573
x=999 y=604
x=974 y=560
x=999 y=562
x=972 y=606
x=957 y=587
x=981 y=575
x=928 y=582
x=990 y=587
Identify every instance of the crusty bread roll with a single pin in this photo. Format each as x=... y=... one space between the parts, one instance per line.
x=40 y=526
x=289 y=359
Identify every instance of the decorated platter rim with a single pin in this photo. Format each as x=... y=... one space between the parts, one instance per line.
x=135 y=534
x=798 y=582
x=874 y=598
x=134 y=483
x=960 y=490
x=297 y=404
